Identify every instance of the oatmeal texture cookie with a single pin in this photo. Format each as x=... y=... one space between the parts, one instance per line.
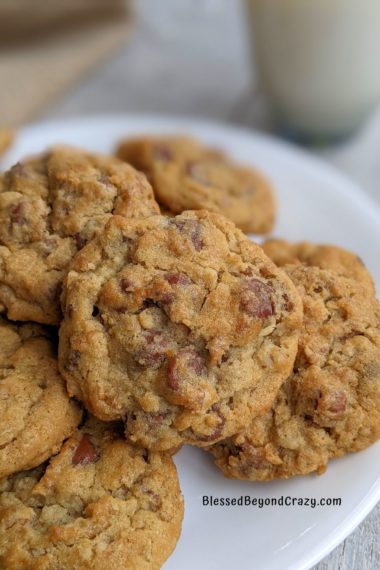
x=330 y=405
x=50 y=206
x=99 y=504
x=189 y=176
x=36 y=414
x=182 y=326
x=330 y=257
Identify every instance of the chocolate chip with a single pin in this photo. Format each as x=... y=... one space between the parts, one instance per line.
x=17 y=214
x=167 y=298
x=219 y=428
x=48 y=246
x=153 y=421
x=288 y=305
x=336 y=402
x=195 y=171
x=154 y=353
x=154 y=499
x=171 y=374
x=79 y=241
x=125 y=285
x=192 y=228
x=248 y=272
x=256 y=299
x=197 y=363
x=151 y=359
x=85 y=453
x=187 y=358
x=156 y=420
x=177 y=279
x=95 y=311
x=196 y=237
x=154 y=336
x=162 y=152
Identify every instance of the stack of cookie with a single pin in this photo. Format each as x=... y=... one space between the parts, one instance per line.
x=74 y=493
x=329 y=404
x=128 y=331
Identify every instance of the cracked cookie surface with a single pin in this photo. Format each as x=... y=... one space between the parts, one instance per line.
x=181 y=326
x=50 y=206
x=99 y=504
x=330 y=405
x=189 y=176
x=330 y=257
x=36 y=414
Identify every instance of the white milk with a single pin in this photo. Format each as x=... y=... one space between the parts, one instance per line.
x=318 y=61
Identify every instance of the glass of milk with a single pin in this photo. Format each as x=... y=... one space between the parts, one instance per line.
x=318 y=62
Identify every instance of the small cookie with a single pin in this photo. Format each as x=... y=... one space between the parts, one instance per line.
x=189 y=176
x=99 y=504
x=330 y=405
x=36 y=414
x=329 y=257
x=50 y=206
x=181 y=325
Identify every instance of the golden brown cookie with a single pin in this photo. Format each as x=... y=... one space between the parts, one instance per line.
x=329 y=257
x=181 y=326
x=36 y=414
x=100 y=504
x=330 y=405
x=50 y=206
x=189 y=176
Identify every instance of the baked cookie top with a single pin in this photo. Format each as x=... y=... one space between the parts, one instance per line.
x=50 y=206
x=330 y=405
x=329 y=257
x=189 y=176
x=99 y=504
x=36 y=414
x=182 y=326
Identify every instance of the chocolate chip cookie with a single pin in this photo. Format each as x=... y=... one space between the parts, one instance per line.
x=36 y=414
x=50 y=206
x=329 y=257
x=189 y=176
x=330 y=405
x=181 y=326
x=99 y=504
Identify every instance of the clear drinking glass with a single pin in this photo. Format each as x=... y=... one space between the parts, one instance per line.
x=318 y=62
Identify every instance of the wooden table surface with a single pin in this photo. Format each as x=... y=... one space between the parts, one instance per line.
x=191 y=58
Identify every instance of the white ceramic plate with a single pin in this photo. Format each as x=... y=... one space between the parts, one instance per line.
x=315 y=203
